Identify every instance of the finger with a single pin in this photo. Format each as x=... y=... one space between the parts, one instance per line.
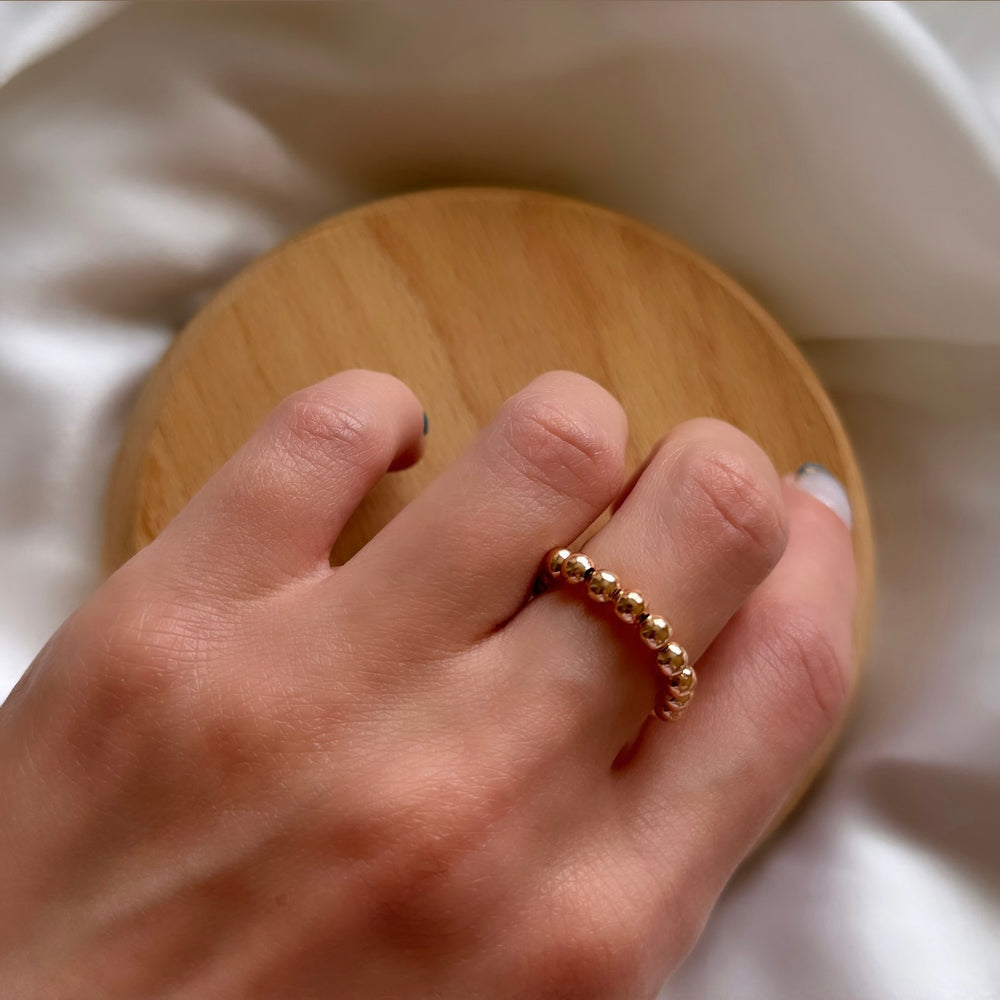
x=772 y=692
x=460 y=559
x=274 y=510
x=701 y=527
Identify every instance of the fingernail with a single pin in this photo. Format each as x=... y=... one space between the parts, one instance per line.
x=818 y=481
x=426 y=425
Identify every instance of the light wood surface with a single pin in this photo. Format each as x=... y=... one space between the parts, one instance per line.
x=468 y=294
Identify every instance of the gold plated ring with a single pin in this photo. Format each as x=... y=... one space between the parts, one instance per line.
x=676 y=676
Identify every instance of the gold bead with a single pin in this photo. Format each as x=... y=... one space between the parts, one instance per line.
x=630 y=606
x=678 y=701
x=667 y=709
x=682 y=682
x=575 y=567
x=671 y=658
x=603 y=586
x=554 y=561
x=662 y=711
x=655 y=631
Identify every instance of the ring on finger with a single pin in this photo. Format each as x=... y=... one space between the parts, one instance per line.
x=676 y=676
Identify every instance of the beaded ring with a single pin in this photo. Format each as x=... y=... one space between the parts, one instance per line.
x=676 y=675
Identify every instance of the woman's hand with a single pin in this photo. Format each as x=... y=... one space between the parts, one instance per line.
x=236 y=772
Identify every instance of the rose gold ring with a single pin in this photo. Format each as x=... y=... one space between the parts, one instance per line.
x=676 y=676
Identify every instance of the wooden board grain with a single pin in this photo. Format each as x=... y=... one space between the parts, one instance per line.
x=467 y=294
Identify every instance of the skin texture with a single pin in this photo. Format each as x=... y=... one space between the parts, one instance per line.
x=237 y=772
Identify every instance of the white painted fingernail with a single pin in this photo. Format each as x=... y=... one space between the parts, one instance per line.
x=818 y=481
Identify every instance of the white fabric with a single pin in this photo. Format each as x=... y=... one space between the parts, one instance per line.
x=842 y=161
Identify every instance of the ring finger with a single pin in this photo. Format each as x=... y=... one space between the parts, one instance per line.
x=701 y=527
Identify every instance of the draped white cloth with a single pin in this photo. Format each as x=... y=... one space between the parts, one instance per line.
x=841 y=160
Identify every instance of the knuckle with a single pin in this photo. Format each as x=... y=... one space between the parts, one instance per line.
x=590 y=951
x=562 y=449
x=803 y=667
x=137 y=633
x=134 y=633
x=422 y=904
x=141 y=650
x=728 y=498
x=155 y=695
x=130 y=675
x=591 y=933
x=432 y=882
x=315 y=428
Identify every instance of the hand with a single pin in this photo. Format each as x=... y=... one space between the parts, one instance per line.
x=237 y=772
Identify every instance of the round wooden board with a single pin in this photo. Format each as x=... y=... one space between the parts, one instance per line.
x=466 y=295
